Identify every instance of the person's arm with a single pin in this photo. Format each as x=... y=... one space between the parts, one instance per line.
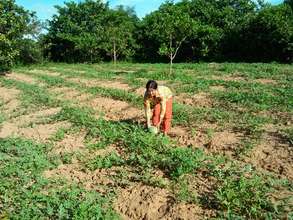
x=147 y=108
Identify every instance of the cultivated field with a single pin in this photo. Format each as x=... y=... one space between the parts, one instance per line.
x=73 y=143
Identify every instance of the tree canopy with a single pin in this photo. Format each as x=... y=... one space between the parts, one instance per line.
x=188 y=31
x=15 y=24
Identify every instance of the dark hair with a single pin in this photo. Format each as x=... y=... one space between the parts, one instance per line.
x=151 y=84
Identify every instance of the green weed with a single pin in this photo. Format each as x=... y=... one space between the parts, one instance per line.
x=106 y=161
x=25 y=194
x=246 y=196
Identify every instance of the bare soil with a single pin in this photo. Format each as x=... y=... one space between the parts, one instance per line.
x=46 y=72
x=146 y=202
x=71 y=143
x=9 y=98
x=23 y=78
x=75 y=173
x=273 y=154
x=201 y=99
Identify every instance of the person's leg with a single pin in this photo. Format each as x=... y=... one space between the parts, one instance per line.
x=168 y=117
x=156 y=114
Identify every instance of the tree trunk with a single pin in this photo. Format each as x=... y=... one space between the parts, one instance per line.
x=115 y=54
x=171 y=65
x=171 y=55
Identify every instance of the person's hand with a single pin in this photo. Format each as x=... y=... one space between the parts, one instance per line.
x=159 y=125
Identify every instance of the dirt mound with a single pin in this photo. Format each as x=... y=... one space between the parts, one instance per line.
x=42 y=132
x=9 y=98
x=145 y=202
x=70 y=143
x=18 y=125
x=23 y=78
x=35 y=116
x=229 y=78
x=101 y=83
x=266 y=81
x=116 y=110
x=7 y=94
x=185 y=137
x=273 y=155
x=114 y=85
x=78 y=174
x=66 y=92
x=11 y=106
x=201 y=99
x=45 y=72
x=8 y=129
x=218 y=88
x=224 y=142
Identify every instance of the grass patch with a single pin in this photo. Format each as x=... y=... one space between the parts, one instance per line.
x=143 y=150
x=25 y=194
x=245 y=197
x=32 y=95
x=239 y=193
x=108 y=161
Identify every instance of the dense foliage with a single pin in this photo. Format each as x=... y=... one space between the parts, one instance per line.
x=16 y=24
x=188 y=31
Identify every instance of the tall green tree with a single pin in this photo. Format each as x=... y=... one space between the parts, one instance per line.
x=75 y=33
x=171 y=26
x=289 y=2
x=268 y=36
x=15 y=23
x=119 y=29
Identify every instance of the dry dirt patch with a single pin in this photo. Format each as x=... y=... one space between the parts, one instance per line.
x=218 y=88
x=229 y=78
x=40 y=132
x=35 y=116
x=273 y=155
x=71 y=143
x=101 y=83
x=8 y=129
x=266 y=81
x=114 y=85
x=116 y=110
x=68 y=93
x=9 y=97
x=45 y=72
x=146 y=202
x=225 y=142
x=7 y=94
x=201 y=99
x=76 y=173
x=185 y=137
x=22 y=77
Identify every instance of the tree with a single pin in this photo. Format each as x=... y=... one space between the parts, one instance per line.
x=289 y=2
x=268 y=36
x=15 y=23
x=118 y=33
x=75 y=33
x=171 y=26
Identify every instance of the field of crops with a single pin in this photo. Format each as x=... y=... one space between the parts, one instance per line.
x=73 y=143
